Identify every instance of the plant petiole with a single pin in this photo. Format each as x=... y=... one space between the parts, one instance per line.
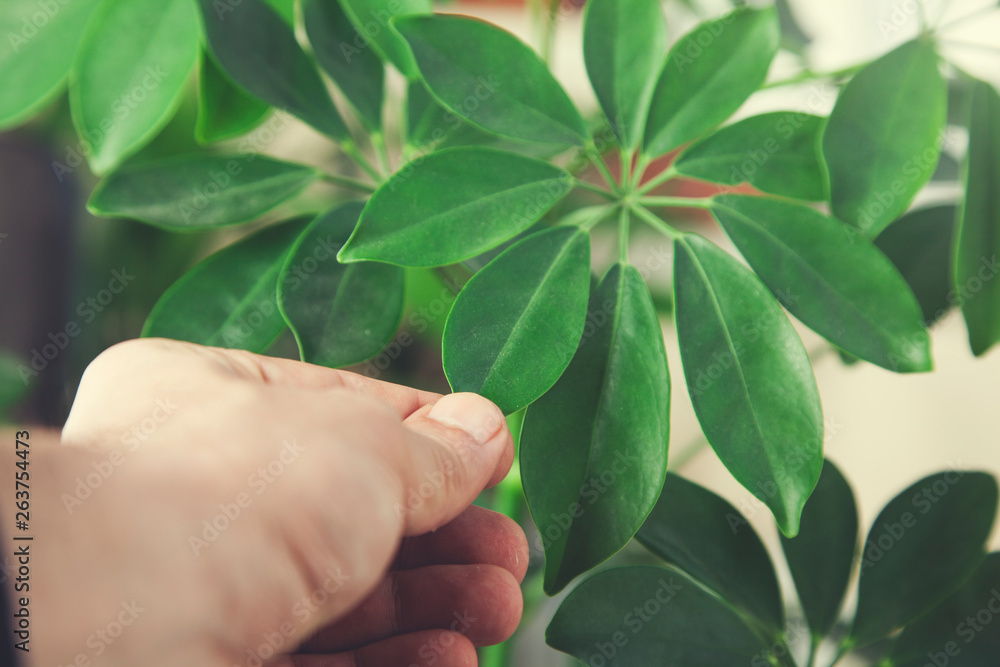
x=348 y=182
x=664 y=176
x=657 y=223
x=351 y=151
x=590 y=187
x=677 y=202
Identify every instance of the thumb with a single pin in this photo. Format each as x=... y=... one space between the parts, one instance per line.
x=458 y=446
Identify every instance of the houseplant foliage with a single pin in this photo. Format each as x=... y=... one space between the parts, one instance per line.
x=490 y=146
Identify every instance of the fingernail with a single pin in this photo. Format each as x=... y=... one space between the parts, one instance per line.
x=470 y=412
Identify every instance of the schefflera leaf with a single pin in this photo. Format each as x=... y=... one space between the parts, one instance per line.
x=129 y=75
x=749 y=379
x=229 y=299
x=706 y=537
x=372 y=22
x=831 y=278
x=646 y=615
x=490 y=78
x=821 y=556
x=924 y=544
x=708 y=75
x=594 y=447
x=775 y=152
x=622 y=43
x=515 y=326
x=341 y=314
x=224 y=109
x=883 y=139
x=453 y=204
x=979 y=235
x=195 y=192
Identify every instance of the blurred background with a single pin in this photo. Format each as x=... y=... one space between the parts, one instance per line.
x=60 y=306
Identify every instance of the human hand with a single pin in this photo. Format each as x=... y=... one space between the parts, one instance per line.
x=245 y=507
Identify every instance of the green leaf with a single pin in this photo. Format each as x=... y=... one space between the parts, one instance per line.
x=254 y=46
x=646 y=615
x=194 y=192
x=594 y=447
x=883 y=139
x=16 y=381
x=953 y=633
x=821 y=557
x=129 y=75
x=622 y=43
x=284 y=8
x=36 y=52
x=516 y=324
x=371 y=19
x=749 y=379
x=775 y=152
x=224 y=110
x=708 y=75
x=833 y=279
x=923 y=545
x=230 y=298
x=710 y=540
x=453 y=204
x=979 y=234
x=919 y=244
x=492 y=79
x=425 y=118
x=340 y=314
x=359 y=74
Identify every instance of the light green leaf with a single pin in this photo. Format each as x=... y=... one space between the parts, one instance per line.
x=453 y=204
x=821 y=557
x=594 y=447
x=371 y=19
x=224 y=109
x=749 y=379
x=129 y=75
x=645 y=615
x=230 y=298
x=516 y=324
x=359 y=74
x=710 y=540
x=37 y=45
x=491 y=79
x=924 y=544
x=254 y=46
x=833 y=279
x=340 y=314
x=708 y=75
x=622 y=43
x=775 y=152
x=883 y=139
x=193 y=192
x=979 y=233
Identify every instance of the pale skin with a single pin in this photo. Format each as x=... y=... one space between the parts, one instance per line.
x=355 y=543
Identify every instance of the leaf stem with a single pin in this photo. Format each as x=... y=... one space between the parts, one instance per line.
x=549 y=30
x=809 y=75
x=348 y=182
x=590 y=187
x=657 y=223
x=623 y=229
x=677 y=202
x=598 y=161
x=381 y=153
x=665 y=175
x=600 y=215
x=351 y=151
x=845 y=648
x=814 y=643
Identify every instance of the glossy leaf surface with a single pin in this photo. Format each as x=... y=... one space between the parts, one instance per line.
x=224 y=109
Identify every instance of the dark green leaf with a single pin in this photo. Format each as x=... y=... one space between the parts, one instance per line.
x=192 y=192
x=923 y=545
x=359 y=74
x=708 y=75
x=229 y=299
x=622 y=43
x=453 y=204
x=423 y=116
x=821 y=557
x=883 y=139
x=775 y=152
x=962 y=631
x=284 y=8
x=129 y=75
x=834 y=280
x=710 y=540
x=371 y=19
x=919 y=244
x=645 y=615
x=793 y=37
x=594 y=447
x=16 y=380
x=979 y=235
x=490 y=78
x=256 y=48
x=340 y=314
x=36 y=52
x=749 y=379
x=516 y=324
x=224 y=110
